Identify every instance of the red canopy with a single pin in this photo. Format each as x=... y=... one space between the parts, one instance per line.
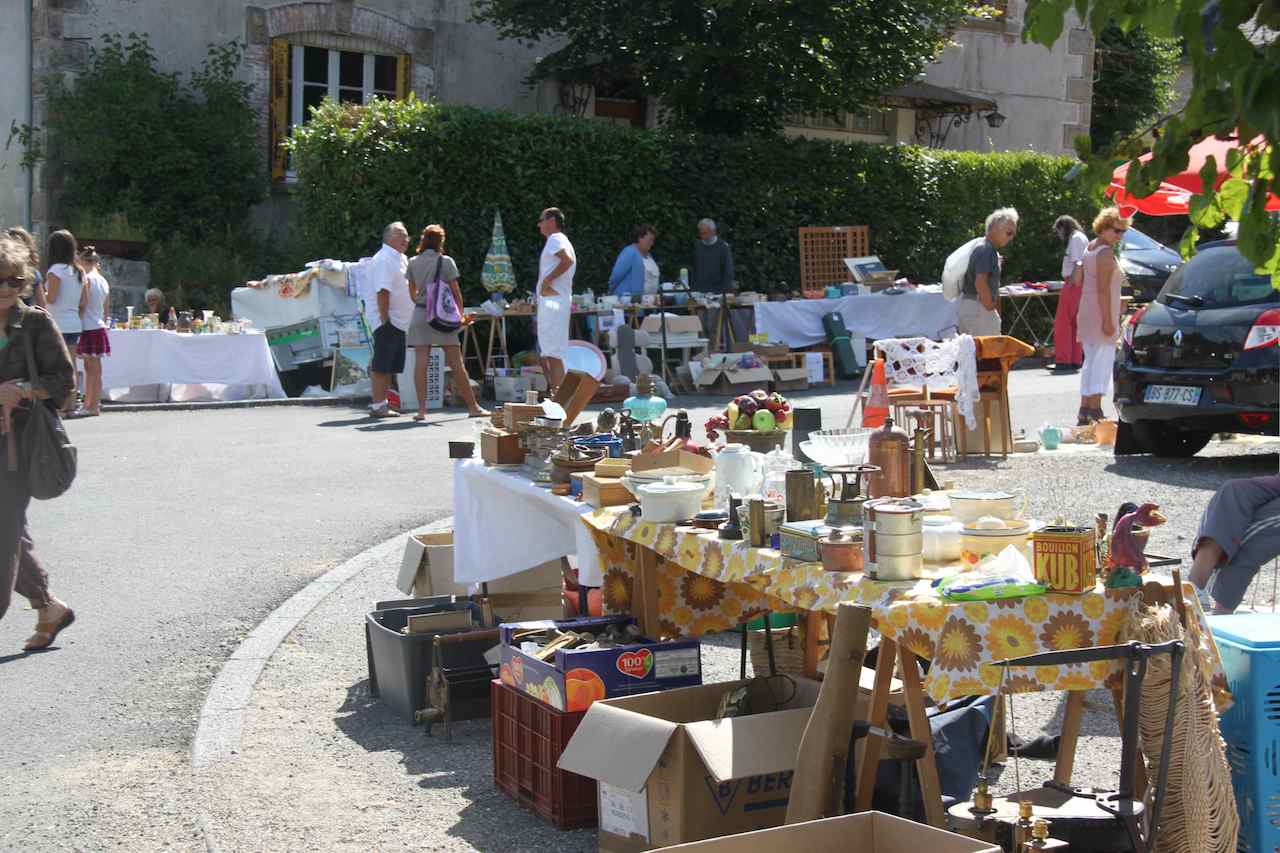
x=1174 y=194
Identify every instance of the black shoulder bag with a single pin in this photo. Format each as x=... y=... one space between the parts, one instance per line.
x=51 y=457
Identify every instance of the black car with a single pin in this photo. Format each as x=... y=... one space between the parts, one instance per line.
x=1202 y=358
x=1147 y=264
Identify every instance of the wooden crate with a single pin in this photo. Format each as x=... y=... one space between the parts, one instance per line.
x=823 y=250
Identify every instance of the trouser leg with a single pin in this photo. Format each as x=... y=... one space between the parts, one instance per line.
x=16 y=572
x=1260 y=543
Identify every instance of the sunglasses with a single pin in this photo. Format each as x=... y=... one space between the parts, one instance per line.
x=16 y=282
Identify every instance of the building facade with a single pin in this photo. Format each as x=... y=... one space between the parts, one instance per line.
x=297 y=52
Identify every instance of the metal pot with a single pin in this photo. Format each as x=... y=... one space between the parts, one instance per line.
x=903 y=568
x=894 y=517
x=841 y=551
x=899 y=546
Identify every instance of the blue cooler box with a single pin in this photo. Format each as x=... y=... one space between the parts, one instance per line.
x=1250 y=647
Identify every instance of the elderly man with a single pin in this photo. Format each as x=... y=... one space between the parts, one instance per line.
x=388 y=309
x=712 y=262
x=555 y=295
x=979 y=309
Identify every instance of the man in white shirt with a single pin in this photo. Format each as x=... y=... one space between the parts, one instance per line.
x=1068 y=353
x=388 y=310
x=555 y=295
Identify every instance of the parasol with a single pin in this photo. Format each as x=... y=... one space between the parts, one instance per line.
x=497 y=275
x=1173 y=196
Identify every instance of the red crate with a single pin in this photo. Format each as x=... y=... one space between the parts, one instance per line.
x=528 y=738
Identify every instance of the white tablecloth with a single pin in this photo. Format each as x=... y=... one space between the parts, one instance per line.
x=504 y=524
x=798 y=322
x=159 y=357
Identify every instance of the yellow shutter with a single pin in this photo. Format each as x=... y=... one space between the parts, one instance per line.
x=404 y=68
x=278 y=108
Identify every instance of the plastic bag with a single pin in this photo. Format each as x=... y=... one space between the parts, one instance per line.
x=956 y=266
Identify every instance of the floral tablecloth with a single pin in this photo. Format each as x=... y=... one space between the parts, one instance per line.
x=706 y=584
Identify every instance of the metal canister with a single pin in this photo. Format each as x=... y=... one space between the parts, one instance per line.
x=889 y=450
x=1065 y=558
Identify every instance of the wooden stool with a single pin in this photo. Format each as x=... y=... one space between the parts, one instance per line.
x=938 y=416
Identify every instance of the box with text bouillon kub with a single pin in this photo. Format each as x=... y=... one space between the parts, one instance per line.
x=1065 y=559
x=575 y=678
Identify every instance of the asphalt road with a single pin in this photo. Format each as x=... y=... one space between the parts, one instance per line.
x=183 y=530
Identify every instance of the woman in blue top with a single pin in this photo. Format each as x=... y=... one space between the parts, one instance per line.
x=636 y=272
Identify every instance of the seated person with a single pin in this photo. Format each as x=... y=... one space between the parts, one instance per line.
x=1239 y=531
x=153 y=303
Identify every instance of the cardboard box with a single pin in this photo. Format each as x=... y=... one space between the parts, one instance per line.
x=670 y=773
x=866 y=832
x=510 y=389
x=603 y=673
x=681 y=459
x=427 y=567
x=743 y=380
x=765 y=350
x=790 y=379
x=499 y=447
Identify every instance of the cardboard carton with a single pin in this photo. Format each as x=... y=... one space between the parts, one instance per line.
x=790 y=379
x=427 y=567
x=670 y=773
x=765 y=350
x=726 y=380
x=867 y=832
x=575 y=678
x=499 y=447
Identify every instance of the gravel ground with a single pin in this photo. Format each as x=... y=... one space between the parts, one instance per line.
x=325 y=766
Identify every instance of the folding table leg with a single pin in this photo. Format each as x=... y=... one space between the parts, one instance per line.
x=926 y=767
x=878 y=715
x=1070 y=734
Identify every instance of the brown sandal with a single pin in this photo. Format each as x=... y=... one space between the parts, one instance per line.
x=50 y=630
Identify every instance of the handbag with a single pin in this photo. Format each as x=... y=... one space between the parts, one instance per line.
x=443 y=312
x=51 y=457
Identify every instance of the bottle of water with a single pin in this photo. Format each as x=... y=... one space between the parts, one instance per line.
x=684 y=276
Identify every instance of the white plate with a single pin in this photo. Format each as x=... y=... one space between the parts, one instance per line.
x=587 y=357
x=1175 y=395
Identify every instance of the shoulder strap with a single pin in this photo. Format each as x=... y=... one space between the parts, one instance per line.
x=28 y=346
x=439 y=261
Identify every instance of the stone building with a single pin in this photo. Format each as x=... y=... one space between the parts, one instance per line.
x=299 y=51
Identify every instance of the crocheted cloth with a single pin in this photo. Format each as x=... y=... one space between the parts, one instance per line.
x=933 y=364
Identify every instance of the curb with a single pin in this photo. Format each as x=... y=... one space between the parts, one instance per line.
x=221 y=724
x=288 y=402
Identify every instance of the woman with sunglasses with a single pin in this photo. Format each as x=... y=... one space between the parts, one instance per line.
x=52 y=383
x=1098 y=321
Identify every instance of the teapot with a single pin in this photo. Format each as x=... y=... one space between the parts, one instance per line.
x=1050 y=437
x=739 y=471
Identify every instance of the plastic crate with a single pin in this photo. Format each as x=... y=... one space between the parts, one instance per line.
x=528 y=738
x=1250 y=647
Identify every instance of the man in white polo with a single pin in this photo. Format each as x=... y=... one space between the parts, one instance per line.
x=388 y=309
x=555 y=295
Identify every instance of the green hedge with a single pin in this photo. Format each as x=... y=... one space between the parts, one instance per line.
x=360 y=167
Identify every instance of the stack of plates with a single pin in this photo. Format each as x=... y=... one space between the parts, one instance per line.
x=633 y=480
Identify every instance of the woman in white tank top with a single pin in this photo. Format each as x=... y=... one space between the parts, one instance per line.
x=94 y=343
x=64 y=285
x=1098 y=320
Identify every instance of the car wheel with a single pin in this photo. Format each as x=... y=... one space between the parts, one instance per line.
x=1162 y=440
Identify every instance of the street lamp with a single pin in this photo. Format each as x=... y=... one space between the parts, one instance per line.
x=994 y=119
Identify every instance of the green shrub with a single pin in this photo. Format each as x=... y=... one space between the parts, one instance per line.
x=360 y=167
x=202 y=273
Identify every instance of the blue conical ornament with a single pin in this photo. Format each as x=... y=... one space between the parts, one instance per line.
x=497 y=275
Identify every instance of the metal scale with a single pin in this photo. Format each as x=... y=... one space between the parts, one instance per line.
x=1088 y=820
x=844 y=507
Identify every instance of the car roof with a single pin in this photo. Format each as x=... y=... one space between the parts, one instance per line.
x=1216 y=244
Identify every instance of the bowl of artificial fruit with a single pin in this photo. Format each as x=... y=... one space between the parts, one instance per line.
x=759 y=420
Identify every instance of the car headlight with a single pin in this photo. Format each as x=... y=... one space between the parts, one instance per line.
x=1134 y=270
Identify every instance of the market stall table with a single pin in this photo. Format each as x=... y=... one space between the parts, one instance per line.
x=160 y=357
x=684 y=582
x=915 y=313
x=1029 y=307
x=504 y=524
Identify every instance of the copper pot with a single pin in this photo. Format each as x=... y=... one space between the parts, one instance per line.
x=841 y=551
x=889 y=450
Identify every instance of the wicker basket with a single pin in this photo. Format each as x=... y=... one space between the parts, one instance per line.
x=757 y=440
x=788 y=651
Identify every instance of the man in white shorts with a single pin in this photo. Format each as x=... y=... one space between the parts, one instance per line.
x=555 y=295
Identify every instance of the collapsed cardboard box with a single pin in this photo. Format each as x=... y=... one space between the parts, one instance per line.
x=790 y=379
x=867 y=832
x=670 y=773
x=721 y=374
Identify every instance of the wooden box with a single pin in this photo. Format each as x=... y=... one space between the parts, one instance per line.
x=574 y=393
x=500 y=447
x=613 y=467
x=681 y=459
x=518 y=416
x=600 y=492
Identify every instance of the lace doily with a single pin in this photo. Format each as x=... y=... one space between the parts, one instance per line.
x=935 y=365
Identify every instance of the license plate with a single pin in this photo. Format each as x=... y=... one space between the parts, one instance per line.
x=1176 y=395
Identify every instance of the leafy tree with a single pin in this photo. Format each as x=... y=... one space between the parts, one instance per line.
x=737 y=66
x=173 y=157
x=1134 y=85
x=1235 y=89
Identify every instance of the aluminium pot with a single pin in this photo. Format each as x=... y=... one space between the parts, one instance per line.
x=905 y=568
x=893 y=517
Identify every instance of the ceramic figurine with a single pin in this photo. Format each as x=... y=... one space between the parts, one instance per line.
x=1127 y=545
